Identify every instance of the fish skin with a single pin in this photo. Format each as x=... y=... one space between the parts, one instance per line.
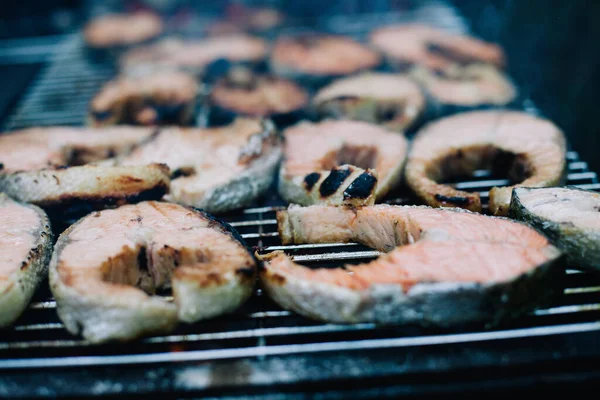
x=581 y=244
x=105 y=292
x=331 y=147
x=20 y=280
x=389 y=292
x=472 y=140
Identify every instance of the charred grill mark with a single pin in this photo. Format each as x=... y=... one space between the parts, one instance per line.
x=346 y=98
x=458 y=200
x=183 y=172
x=361 y=187
x=245 y=272
x=56 y=179
x=451 y=54
x=333 y=182
x=311 y=179
x=142 y=259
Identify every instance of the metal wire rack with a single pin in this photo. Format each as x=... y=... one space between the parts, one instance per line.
x=261 y=343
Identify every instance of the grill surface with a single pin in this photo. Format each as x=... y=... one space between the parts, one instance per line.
x=262 y=344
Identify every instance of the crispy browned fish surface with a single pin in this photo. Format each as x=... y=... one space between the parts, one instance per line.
x=529 y=150
x=49 y=166
x=107 y=266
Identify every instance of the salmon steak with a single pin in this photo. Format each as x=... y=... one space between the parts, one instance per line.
x=433 y=48
x=60 y=165
x=530 y=151
x=106 y=268
x=393 y=100
x=340 y=162
x=216 y=169
x=568 y=216
x=159 y=98
x=25 y=250
x=193 y=55
x=440 y=267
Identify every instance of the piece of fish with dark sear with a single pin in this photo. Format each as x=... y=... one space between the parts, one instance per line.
x=62 y=165
x=340 y=162
x=530 y=151
x=25 y=250
x=106 y=267
x=568 y=216
x=442 y=267
x=216 y=169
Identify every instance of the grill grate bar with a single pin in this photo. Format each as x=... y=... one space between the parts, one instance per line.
x=221 y=354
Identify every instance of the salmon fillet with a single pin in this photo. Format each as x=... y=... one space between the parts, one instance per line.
x=441 y=267
x=340 y=162
x=25 y=250
x=106 y=267
x=49 y=166
x=216 y=169
x=527 y=149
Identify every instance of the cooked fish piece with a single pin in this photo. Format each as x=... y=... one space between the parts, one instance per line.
x=437 y=49
x=527 y=149
x=340 y=162
x=393 y=100
x=159 y=98
x=194 y=55
x=315 y=58
x=34 y=166
x=216 y=169
x=468 y=86
x=106 y=267
x=568 y=216
x=442 y=267
x=25 y=250
x=242 y=92
x=116 y=30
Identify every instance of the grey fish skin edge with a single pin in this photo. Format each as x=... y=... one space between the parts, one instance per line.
x=581 y=246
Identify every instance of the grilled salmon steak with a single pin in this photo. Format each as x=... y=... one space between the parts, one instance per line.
x=568 y=216
x=50 y=166
x=527 y=149
x=159 y=98
x=25 y=250
x=340 y=162
x=441 y=267
x=433 y=48
x=216 y=169
x=393 y=100
x=193 y=55
x=106 y=267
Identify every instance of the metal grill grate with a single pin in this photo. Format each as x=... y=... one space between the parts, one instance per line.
x=260 y=331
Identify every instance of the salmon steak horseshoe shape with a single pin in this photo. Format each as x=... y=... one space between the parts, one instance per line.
x=442 y=267
x=106 y=267
x=340 y=162
x=528 y=150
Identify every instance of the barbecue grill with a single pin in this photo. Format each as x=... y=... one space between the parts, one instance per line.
x=262 y=351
